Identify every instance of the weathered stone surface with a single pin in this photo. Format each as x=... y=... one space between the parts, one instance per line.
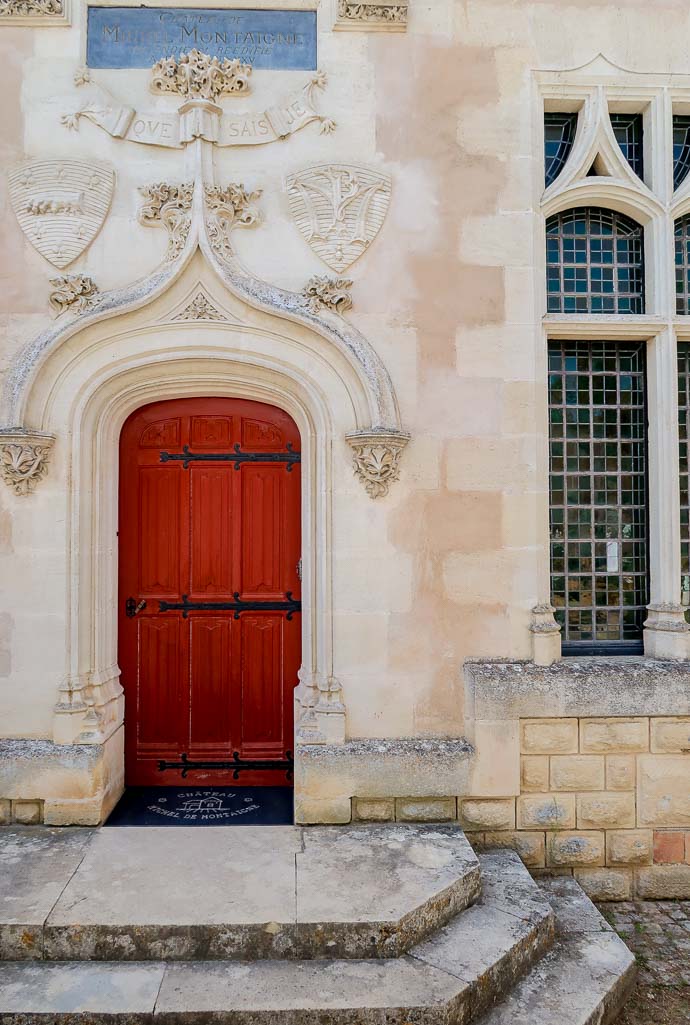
x=530 y=846
x=661 y=882
x=663 y=790
x=574 y=849
x=629 y=847
x=373 y=811
x=669 y=847
x=430 y=809
x=45 y=992
x=375 y=891
x=35 y=866
x=495 y=814
x=605 y=811
x=578 y=687
x=5 y=812
x=26 y=813
x=577 y=772
x=360 y=891
x=620 y=735
x=534 y=773
x=574 y=911
x=495 y=766
x=549 y=736
x=546 y=811
x=605 y=884
x=620 y=772
x=490 y=947
x=670 y=736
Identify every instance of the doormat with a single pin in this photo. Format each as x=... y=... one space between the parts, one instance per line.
x=203 y=806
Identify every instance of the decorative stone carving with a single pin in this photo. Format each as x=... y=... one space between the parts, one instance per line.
x=24 y=459
x=200 y=308
x=199 y=76
x=338 y=209
x=380 y=15
x=168 y=206
x=61 y=205
x=22 y=12
x=228 y=208
x=75 y=292
x=546 y=635
x=199 y=117
x=377 y=458
x=328 y=293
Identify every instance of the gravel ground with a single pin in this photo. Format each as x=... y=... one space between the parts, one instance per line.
x=658 y=933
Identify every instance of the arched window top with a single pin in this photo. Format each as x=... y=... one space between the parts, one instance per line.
x=595 y=262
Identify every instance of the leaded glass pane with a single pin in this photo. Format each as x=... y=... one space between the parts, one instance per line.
x=594 y=262
x=681 y=149
x=628 y=131
x=559 y=135
x=598 y=491
x=682 y=239
x=683 y=415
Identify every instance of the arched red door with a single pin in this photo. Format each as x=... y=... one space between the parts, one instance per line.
x=209 y=590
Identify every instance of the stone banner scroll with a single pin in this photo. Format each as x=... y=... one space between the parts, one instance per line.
x=137 y=37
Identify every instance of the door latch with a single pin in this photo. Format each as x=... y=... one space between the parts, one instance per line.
x=131 y=607
x=298 y=567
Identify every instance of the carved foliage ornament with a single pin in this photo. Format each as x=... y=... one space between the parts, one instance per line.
x=24 y=459
x=198 y=76
x=329 y=293
x=200 y=308
x=381 y=14
x=377 y=459
x=30 y=10
x=228 y=208
x=61 y=205
x=338 y=209
x=168 y=206
x=75 y=292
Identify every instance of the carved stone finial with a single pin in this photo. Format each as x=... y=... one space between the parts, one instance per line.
x=24 y=459
x=377 y=458
x=328 y=293
x=75 y=292
x=168 y=206
x=372 y=15
x=228 y=208
x=200 y=77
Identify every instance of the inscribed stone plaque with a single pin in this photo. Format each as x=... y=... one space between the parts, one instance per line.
x=137 y=37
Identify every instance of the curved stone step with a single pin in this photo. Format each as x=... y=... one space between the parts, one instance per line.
x=447 y=980
x=141 y=894
x=584 y=980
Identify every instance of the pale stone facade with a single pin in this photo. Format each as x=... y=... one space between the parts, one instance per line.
x=414 y=364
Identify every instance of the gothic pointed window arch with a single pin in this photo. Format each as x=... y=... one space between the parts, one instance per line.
x=595 y=262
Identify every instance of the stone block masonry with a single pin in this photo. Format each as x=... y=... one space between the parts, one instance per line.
x=604 y=799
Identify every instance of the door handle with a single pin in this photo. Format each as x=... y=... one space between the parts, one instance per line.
x=131 y=607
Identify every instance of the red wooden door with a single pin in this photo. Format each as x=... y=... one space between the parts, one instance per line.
x=209 y=539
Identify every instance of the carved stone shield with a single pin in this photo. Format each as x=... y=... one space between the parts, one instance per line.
x=61 y=205
x=338 y=209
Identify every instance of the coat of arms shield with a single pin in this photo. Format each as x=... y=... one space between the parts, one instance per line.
x=61 y=205
x=338 y=209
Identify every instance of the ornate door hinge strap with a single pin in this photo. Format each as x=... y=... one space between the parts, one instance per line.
x=289 y=605
x=289 y=457
x=237 y=765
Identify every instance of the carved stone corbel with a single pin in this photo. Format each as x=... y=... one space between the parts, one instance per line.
x=328 y=293
x=24 y=457
x=371 y=15
x=377 y=458
x=546 y=635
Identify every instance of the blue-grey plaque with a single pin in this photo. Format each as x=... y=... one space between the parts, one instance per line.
x=137 y=37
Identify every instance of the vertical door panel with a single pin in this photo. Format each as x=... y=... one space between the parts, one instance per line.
x=159 y=530
x=211 y=528
x=262 y=529
x=262 y=684
x=210 y=694
x=159 y=685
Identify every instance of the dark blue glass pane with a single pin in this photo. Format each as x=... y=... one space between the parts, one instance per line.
x=681 y=149
x=595 y=262
x=628 y=131
x=559 y=135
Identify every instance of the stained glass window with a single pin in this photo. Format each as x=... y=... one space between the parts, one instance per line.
x=684 y=438
x=681 y=149
x=559 y=135
x=595 y=262
x=682 y=238
x=628 y=131
x=598 y=487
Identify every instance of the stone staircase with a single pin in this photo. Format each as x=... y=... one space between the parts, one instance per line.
x=388 y=925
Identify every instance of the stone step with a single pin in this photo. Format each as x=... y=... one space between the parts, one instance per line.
x=446 y=980
x=584 y=980
x=139 y=894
